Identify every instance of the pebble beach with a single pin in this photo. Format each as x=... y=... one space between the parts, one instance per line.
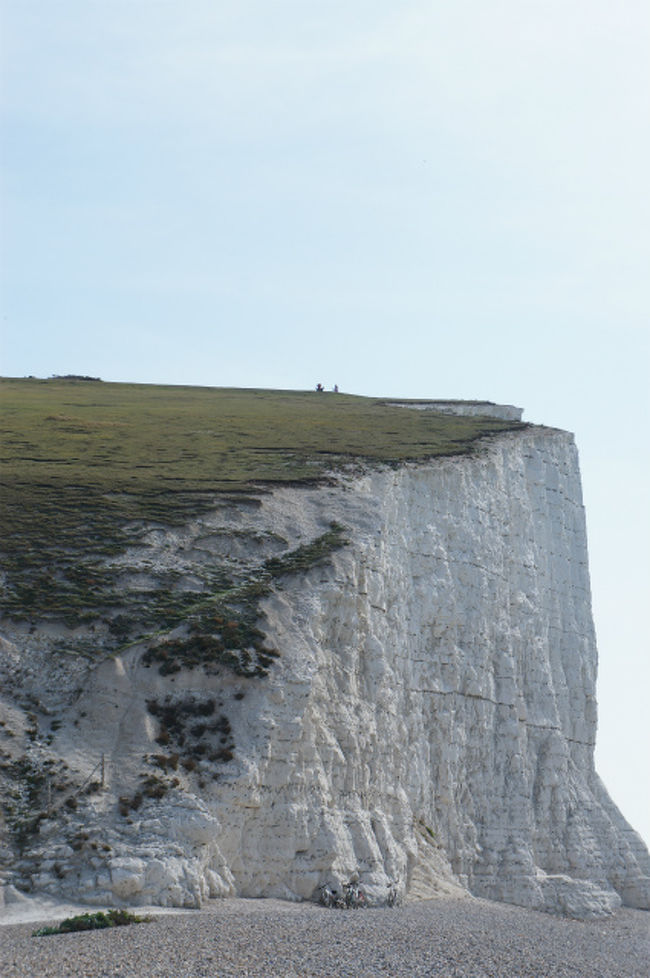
x=455 y=938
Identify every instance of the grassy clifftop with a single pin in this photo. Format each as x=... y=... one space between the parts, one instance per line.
x=141 y=438
x=81 y=460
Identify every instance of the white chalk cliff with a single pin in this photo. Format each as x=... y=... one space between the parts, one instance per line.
x=430 y=719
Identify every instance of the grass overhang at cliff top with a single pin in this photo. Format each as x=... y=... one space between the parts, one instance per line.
x=146 y=451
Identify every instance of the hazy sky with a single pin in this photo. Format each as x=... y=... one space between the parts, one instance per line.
x=418 y=199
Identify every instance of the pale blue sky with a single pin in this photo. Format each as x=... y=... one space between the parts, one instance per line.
x=413 y=199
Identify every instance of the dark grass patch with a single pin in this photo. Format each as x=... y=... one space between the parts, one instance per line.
x=151 y=786
x=195 y=741
x=224 y=632
x=174 y=714
x=239 y=648
x=309 y=555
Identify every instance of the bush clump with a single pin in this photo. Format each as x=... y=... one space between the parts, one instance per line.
x=308 y=555
x=92 y=921
x=213 y=641
x=194 y=740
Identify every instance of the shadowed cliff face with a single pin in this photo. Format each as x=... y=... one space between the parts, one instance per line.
x=425 y=712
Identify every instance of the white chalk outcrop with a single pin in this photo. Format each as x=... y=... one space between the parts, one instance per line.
x=431 y=719
x=466 y=409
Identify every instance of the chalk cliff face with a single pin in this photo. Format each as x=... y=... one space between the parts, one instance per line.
x=430 y=719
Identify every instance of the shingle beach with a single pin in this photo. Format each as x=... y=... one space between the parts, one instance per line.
x=455 y=938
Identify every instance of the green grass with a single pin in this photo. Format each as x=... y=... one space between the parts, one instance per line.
x=83 y=463
x=146 y=439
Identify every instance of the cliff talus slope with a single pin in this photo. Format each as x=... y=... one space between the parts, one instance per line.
x=415 y=702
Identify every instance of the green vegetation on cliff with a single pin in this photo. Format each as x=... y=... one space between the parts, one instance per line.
x=84 y=463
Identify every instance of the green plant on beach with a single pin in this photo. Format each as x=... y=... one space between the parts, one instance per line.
x=92 y=921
